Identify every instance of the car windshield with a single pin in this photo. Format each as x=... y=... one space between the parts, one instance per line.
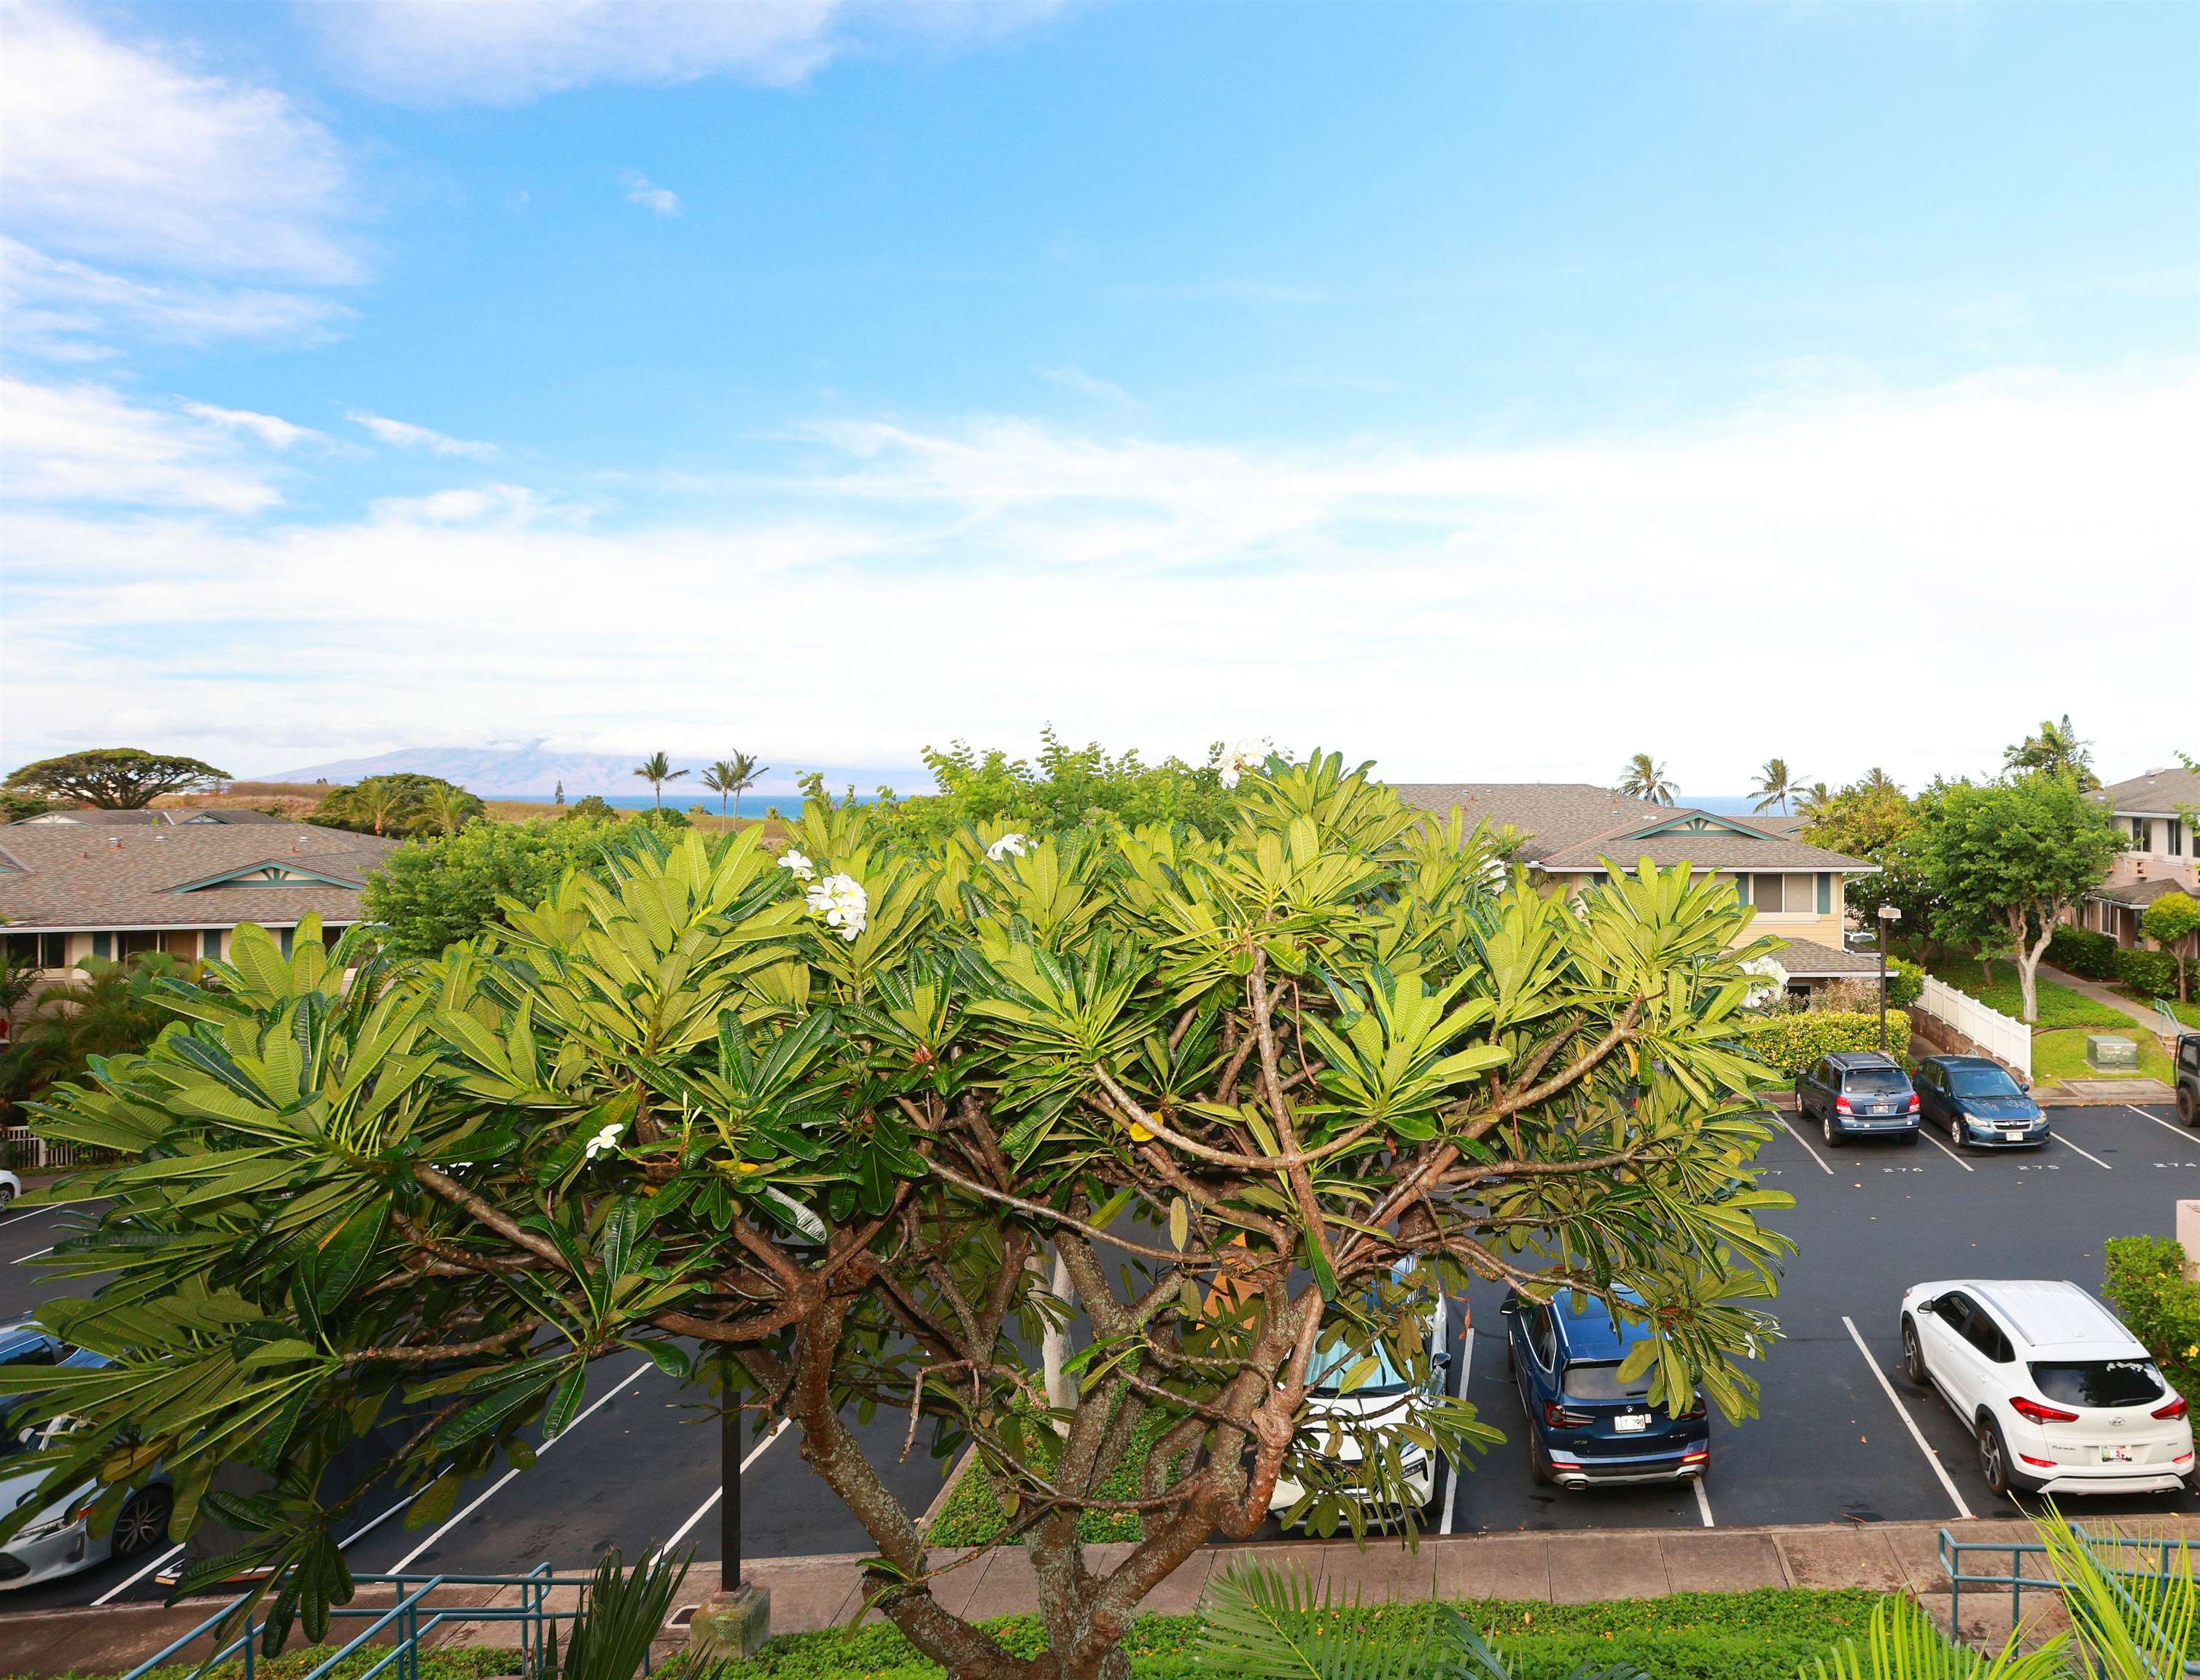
x=1981 y=1082
x=1600 y=1380
x=1329 y=1371
x=2099 y=1382
x=1875 y=1081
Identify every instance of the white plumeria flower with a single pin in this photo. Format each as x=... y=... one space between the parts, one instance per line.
x=803 y=868
x=1248 y=754
x=1009 y=845
x=841 y=900
x=604 y=1140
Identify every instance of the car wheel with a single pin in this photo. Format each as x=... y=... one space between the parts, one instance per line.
x=143 y=1522
x=7 y=1195
x=1913 y=1355
x=1993 y=1459
x=1539 y=1464
x=1956 y=1132
x=2188 y=1107
x=1911 y=1136
x=1833 y=1133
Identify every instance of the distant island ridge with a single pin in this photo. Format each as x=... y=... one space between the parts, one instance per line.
x=535 y=773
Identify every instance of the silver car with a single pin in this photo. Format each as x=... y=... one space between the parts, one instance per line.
x=59 y=1540
x=10 y=1188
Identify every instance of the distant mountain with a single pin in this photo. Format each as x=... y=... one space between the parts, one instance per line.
x=534 y=772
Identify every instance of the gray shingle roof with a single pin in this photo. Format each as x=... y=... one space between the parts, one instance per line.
x=1573 y=826
x=2157 y=794
x=2139 y=894
x=70 y=877
x=1807 y=959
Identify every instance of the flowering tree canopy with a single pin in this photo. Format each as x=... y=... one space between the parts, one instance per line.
x=819 y=1118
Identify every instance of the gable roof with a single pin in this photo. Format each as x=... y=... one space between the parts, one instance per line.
x=57 y=876
x=2157 y=794
x=1572 y=827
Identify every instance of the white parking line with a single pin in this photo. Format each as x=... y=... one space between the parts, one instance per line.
x=27 y=1213
x=1945 y=1150
x=1703 y=1501
x=46 y=1250
x=2163 y=1123
x=1798 y=1137
x=1908 y=1422
x=1451 y=1474
x=717 y=1493
x=2087 y=1153
x=113 y=1593
x=358 y=1534
x=497 y=1486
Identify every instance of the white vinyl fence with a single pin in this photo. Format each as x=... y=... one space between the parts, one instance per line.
x=1989 y=1030
x=24 y=1153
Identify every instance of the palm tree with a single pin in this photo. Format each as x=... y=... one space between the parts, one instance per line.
x=1813 y=796
x=1778 y=784
x=730 y=775
x=657 y=769
x=450 y=809
x=1644 y=779
x=2056 y=750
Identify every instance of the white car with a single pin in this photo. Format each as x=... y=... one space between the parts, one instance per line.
x=10 y=1188
x=1386 y=1396
x=2061 y=1398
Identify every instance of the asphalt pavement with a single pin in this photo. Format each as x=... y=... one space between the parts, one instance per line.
x=1842 y=1435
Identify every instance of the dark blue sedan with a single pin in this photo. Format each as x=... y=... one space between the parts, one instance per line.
x=1586 y=1426
x=1977 y=1103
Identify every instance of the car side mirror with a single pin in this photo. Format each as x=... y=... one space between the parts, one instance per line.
x=1440 y=1361
x=1932 y=1306
x=1510 y=1307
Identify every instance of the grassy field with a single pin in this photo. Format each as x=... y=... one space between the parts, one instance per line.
x=2066 y=1016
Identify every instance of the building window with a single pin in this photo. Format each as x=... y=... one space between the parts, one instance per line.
x=2177 y=839
x=2138 y=834
x=1766 y=894
x=1742 y=887
x=102 y=945
x=209 y=944
x=39 y=951
x=1825 y=895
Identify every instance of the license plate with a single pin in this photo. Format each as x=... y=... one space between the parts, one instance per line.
x=2013 y=1131
x=1633 y=1423
x=2115 y=1455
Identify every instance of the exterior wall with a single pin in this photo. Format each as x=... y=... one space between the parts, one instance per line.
x=2155 y=861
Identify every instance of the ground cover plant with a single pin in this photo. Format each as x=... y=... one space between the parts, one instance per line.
x=2059 y=1006
x=826 y=1114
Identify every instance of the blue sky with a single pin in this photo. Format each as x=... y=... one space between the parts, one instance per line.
x=1492 y=391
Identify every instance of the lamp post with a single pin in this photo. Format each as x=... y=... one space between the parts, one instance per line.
x=1889 y=915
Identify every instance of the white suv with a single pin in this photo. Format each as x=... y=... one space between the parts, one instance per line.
x=2061 y=1397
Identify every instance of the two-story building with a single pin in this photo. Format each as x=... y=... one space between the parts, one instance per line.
x=2159 y=853
x=109 y=884
x=1567 y=831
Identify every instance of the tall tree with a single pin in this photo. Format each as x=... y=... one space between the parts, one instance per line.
x=400 y=803
x=1644 y=778
x=2172 y=921
x=2005 y=860
x=1778 y=784
x=657 y=769
x=448 y=809
x=114 y=778
x=1872 y=820
x=1267 y=1093
x=2058 y=751
x=733 y=775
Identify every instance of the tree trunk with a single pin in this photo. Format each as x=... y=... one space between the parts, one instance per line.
x=1054 y=1346
x=2027 y=958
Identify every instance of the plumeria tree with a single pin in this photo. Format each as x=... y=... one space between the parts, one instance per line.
x=814 y=1120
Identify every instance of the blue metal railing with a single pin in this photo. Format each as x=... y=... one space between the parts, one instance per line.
x=404 y=1623
x=2153 y=1561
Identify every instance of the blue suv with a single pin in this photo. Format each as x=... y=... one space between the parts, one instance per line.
x=1585 y=1426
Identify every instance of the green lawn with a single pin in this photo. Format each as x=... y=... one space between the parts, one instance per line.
x=2059 y=1005
x=1767 y=1634
x=2187 y=1013
x=973 y=1515
x=2062 y=1056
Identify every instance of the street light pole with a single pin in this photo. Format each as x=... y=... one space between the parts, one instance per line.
x=1889 y=915
x=729 y=1482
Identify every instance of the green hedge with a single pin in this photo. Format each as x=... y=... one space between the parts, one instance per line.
x=2080 y=951
x=2145 y=1280
x=2152 y=972
x=1791 y=1043
x=1766 y=1634
x=1905 y=982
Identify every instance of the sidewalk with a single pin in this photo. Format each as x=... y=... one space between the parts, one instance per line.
x=2142 y=1014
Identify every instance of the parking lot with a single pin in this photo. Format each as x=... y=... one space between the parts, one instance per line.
x=1843 y=1436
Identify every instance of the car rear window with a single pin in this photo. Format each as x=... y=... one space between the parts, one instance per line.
x=2099 y=1382
x=1600 y=1381
x=1875 y=1079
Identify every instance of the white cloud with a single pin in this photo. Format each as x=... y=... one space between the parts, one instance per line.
x=1088 y=384
x=86 y=442
x=275 y=433
x=115 y=152
x=1842 y=579
x=66 y=310
x=662 y=200
x=404 y=435
x=432 y=52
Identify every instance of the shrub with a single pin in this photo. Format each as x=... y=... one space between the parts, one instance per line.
x=2080 y=951
x=1791 y=1043
x=2145 y=1280
x=1905 y=983
x=2153 y=972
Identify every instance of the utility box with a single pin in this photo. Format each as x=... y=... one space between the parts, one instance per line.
x=2109 y=1049
x=2188 y=1236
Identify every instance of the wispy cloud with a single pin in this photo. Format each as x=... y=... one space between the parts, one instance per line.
x=639 y=190
x=404 y=435
x=274 y=432
x=1401 y=599
x=87 y=443
x=1087 y=384
x=430 y=52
